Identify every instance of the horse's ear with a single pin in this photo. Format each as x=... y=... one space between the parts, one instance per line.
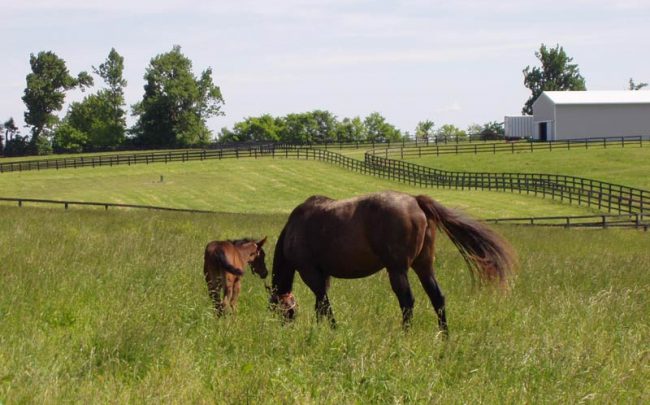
x=260 y=243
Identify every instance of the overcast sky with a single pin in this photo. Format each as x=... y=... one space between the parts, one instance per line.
x=452 y=62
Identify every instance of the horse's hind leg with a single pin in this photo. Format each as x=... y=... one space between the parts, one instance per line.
x=424 y=269
x=400 y=283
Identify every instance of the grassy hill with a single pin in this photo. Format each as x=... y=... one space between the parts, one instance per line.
x=248 y=185
x=627 y=166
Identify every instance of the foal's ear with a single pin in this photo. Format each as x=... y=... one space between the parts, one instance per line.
x=260 y=243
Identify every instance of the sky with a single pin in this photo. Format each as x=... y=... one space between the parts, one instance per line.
x=452 y=62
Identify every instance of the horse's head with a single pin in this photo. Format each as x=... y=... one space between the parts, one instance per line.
x=256 y=259
x=285 y=304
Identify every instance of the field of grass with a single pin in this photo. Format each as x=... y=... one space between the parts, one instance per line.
x=627 y=166
x=249 y=185
x=111 y=306
x=101 y=307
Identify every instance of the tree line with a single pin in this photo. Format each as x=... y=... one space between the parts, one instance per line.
x=176 y=105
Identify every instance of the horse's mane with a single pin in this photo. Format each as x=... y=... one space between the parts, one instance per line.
x=239 y=242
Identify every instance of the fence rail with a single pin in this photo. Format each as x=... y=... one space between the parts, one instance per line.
x=613 y=198
x=639 y=221
x=437 y=149
x=574 y=190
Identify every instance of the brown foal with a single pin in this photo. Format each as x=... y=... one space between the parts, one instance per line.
x=223 y=267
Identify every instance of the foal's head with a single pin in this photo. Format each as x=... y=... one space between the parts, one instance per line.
x=255 y=257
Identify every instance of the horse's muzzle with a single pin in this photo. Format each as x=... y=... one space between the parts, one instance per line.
x=284 y=304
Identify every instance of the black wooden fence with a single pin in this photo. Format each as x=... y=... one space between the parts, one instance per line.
x=639 y=221
x=412 y=150
x=614 y=198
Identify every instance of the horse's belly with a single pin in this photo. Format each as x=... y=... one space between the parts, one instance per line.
x=356 y=269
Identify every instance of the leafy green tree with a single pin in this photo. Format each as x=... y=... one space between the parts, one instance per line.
x=176 y=105
x=14 y=143
x=474 y=129
x=378 y=130
x=110 y=127
x=10 y=130
x=99 y=120
x=45 y=94
x=68 y=139
x=493 y=130
x=451 y=131
x=263 y=128
x=636 y=86
x=556 y=73
x=424 y=130
x=298 y=128
x=324 y=126
x=350 y=130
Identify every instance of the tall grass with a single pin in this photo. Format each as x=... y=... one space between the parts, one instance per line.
x=111 y=307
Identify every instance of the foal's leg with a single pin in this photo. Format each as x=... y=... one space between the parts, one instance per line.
x=319 y=284
x=236 y=288
x=228 y=291
x=214 y=282
x=400 y=283
x=426 y=274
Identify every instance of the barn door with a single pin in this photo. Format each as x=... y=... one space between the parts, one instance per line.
x=543 y=132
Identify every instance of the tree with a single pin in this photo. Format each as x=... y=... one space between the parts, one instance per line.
x=493 y=130
x=68 y=138
x=451 y=131
x=110 y=128
x=10 y=131
x=99 y=120
x=324 y=126
x=175 y=105
x=45 y=94
x=298 y=128
x=14 y=143
x=636 y=86
x=263 y=128
x=557 y=73
x=378 y=130
x=474 y=129
x=350 y=130
x=424 y=130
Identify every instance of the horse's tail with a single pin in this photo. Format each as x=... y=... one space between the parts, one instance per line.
x=218 y=257
x=487 y=254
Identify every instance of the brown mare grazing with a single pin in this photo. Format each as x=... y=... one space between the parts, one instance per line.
x=357 y=237
x=223 y=267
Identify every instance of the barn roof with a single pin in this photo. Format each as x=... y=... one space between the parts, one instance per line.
x=599 y=97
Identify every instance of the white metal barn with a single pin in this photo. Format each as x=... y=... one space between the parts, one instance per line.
x=518 y=126
x=561 y=115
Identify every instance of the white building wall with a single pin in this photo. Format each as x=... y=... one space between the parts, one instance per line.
x=602 y=120
x=520 y=126
x=544 y=112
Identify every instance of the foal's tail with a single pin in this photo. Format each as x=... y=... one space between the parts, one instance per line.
x=218 y=258
x=487 y=254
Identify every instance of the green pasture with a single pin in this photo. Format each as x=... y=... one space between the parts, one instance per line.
x=249 y=185
x=111 y=307
x=629 y=166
